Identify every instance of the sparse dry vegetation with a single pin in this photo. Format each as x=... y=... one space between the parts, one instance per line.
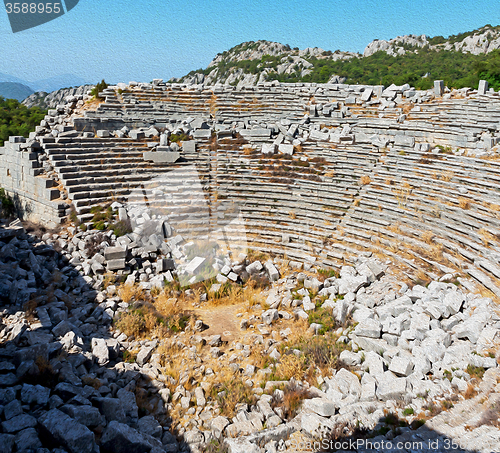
x=365 y=180
x=464 y=203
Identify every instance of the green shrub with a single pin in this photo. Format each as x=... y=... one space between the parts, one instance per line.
x=99 y=225
x=475 y=371
x=17 y=119
x=408 y=411
x=8 y=209
x=121 y=228
x=182 y=137
x=324 y=317
x=102 y=85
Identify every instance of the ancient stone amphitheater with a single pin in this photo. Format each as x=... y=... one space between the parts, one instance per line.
x=322 y=173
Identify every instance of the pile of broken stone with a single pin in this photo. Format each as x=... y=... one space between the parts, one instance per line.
x=64 y=386
x=152 y=254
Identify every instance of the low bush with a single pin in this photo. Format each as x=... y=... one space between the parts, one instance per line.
x=121 y=228
x=229 y=392
x=93 y=244
x=7 y=207
x=102 y=85
x=290 y=403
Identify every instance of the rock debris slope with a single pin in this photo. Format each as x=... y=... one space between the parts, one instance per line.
x=402 y=356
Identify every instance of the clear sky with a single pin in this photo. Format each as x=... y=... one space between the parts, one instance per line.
x=123 y=40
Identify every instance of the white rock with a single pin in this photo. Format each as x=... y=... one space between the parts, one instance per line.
x=401 y=366
x=390 y=387
x=320 y=406
x=350 y=358
x=370 y=328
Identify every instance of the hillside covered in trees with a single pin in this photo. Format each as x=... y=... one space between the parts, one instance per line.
x=420 y=69
x=460 y=60
x=17 y=119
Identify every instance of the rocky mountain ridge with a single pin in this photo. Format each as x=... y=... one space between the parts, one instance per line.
x=481 y=41
x=251 y=62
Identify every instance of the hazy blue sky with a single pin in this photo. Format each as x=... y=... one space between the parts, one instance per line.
x=123 y=40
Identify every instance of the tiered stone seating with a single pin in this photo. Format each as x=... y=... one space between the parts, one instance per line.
x=375 y=190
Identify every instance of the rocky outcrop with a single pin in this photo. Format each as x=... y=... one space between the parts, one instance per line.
x=481 y=41
x=396 y=46
x=55 y=98
x=224 y=68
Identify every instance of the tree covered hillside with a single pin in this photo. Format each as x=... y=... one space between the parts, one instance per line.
x=460 y=60
x=420 y=69
x=17 y=119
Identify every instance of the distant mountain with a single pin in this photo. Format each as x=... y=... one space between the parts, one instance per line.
x=481 y=41
x=10 y=78
x=252 y=62
x=47 y=85
x=12 y=90
x=58 y=82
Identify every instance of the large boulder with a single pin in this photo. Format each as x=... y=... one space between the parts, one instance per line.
x=60 y=428
x=121 y=438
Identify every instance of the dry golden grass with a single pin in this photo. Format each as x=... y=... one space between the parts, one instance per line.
x=109 y=279
x=174 y=363
x=290 y=366
x=436 y=252
x=396 y=228
x=447 y=176
x=357 y=202
x=427 y=236
x=471 y=392
x=486 y=236
x=250 y=293
x=213 y=105
x=228 y=391
x=167 y=305
x=292 y=215
x=394 y=247
x=129 y=292
x=463 y=203
x=364 y=180
x=293 y=395
x=131 y=324
x=422 y=277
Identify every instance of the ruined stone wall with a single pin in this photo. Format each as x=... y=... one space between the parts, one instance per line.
x=22 y=178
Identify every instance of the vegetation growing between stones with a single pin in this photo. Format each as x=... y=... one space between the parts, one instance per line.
x=7 y=207
x=291 y=400
x=102 y=85
x=150 y=316
x=230 y=391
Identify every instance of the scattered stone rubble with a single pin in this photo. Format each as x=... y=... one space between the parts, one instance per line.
x=64 y=385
